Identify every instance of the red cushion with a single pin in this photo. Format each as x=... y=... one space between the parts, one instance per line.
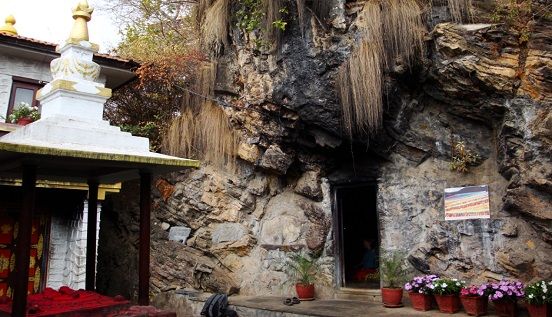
x=51 y=302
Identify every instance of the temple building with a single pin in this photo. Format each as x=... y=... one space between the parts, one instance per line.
x=24 y=70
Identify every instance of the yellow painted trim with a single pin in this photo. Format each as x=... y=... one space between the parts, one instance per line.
x=104 y=92
x=57 y=85
x=102 y=188
x=63 y=84
x=40 y=150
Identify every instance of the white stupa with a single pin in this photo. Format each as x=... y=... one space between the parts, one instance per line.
x=72 y=108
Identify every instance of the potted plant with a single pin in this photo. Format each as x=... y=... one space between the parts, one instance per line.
x=393 y=271
x=24 y=114
x=303 y=270
x=504 y=296
x=475 y=299
x=539 y=299
x=420 y=290
x=446 y=293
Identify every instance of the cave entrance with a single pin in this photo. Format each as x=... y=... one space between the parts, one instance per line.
x=357 y=235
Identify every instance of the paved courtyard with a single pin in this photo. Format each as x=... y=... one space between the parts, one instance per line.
x=273 y=307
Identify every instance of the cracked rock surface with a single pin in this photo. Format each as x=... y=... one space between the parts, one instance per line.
x=476 y=84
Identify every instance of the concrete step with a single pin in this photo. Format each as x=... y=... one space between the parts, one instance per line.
x=359 y=294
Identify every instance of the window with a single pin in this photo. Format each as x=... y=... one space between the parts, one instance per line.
x=24 y=90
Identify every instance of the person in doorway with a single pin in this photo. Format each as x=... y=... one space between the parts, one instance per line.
x=368 y=268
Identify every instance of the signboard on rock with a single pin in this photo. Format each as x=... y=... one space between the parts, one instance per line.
x=179 y=234
x=470 y=202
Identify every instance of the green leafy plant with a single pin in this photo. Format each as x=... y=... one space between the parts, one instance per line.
x=280 y=24
x=23 y=110
x=462 y=158
x=539 y=293
x=249 y=15
x=302 y=269
x=446 y=286
x=255 y=16
x=392 y=270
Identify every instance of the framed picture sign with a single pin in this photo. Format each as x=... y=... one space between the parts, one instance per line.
x=470 y=202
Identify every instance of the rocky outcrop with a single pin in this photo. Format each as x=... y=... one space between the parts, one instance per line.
x=478 y=84
x=474 y=93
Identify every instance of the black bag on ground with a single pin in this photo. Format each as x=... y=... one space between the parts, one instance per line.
x=217 y=306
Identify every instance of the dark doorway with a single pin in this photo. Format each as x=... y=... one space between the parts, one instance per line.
x=357 y=235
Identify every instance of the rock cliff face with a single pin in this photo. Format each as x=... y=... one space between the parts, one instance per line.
x=477 y=84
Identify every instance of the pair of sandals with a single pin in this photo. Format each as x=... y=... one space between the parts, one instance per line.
x=291 y=301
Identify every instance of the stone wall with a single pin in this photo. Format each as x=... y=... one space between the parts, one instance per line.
x=242 y=228
x=476 y=84
x=117 y=268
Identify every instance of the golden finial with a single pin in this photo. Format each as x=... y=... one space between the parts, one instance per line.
x=9 y=26
x=82 y=13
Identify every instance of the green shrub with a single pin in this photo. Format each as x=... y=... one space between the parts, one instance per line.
x=392 y=270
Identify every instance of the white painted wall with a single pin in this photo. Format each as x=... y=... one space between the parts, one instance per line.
x=16 y=66
x=67 y=257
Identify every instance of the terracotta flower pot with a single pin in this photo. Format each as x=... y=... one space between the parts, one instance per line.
x=475 y=305
x=305 y=291
x=422 y=302
x=448 y=303
x=505 y=308
x=539 y=310
x=24 y=121
x=392 y=297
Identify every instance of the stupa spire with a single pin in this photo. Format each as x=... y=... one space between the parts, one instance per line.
x=76 y=75
x=82 y=14
x=9 y=26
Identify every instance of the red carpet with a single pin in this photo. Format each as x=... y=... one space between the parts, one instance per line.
x=68 y=302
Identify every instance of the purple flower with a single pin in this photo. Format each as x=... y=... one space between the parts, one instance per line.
x=504 y=289
x=421 y=284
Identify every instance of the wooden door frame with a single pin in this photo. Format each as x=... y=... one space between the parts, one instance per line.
x=337 y=225
x=26 y=83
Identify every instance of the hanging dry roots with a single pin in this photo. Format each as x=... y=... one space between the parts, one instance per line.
x=389 y=31
x=206 y=136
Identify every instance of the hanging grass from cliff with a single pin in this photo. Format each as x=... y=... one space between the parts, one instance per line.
x=202 y=84
x=216 y=140
x=460 y=10
x=214 y=21
x=403 y=30
x=205 y=134
x=178 y=140
x=201 y=9
x=390 y=31
x=360 y=78
x=202 y=130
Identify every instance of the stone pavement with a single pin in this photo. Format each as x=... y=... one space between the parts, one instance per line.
x=268 y=306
